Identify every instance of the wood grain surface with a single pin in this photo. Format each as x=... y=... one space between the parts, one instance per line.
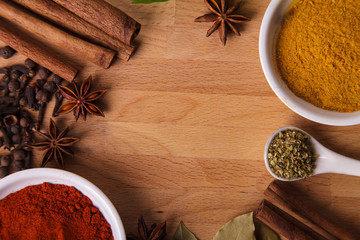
x=186 y=123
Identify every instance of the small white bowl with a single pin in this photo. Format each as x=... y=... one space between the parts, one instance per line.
x=22 y=179
x=270 y=27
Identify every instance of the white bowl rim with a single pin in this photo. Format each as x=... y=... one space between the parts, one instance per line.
x=57 y=176
x=295 y=103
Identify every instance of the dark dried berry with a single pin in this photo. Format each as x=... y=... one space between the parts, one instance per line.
x=43 y=96
x=24 y=122
x=23 y=101
x=4 y=171
x=43 y=73
x=7 y=52
x=5 y=161
x=31 y=73
x=29 y=63
x=16 y=139
x=10 y=120
x=6 y=78
x=15 y=129
x=4 y=70
x=15 y=74
x=19 y=155
x=50 y=86
x=18 y=165
x=14 y=85
x=57 y=79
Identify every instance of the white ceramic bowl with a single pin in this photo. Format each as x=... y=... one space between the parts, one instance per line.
x=22 y=179
x=269 y=28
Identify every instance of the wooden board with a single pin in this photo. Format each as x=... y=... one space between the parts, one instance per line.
x=186 y=123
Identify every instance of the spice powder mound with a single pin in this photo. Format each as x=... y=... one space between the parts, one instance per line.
x=51 y=211
x=318 y=53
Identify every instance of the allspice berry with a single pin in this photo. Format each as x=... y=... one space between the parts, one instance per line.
x=57 y=79
x=29 y=63
x=43 y=73
x=15 y=129
x=18 y=165
x=16 y=138
x=19 y=155
x=50 y=86
x=5 y=161
x=7 y=52
x=4 y=171
x=24 y=122
x=14 y=85
x=43 y=96
x=23 y=101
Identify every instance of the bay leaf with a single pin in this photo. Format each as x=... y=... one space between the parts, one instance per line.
x=147 y=1
x=240 y=228
x=183 y=233
x=263 y=232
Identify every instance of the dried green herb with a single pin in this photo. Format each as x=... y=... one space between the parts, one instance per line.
x=240 y=228
x=291 y=156
x=183 y=233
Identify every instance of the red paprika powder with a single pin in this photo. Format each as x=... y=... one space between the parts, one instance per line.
x=51 y=211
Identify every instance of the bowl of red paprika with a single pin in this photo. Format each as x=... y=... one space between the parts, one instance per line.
x=76 y=207
x=270 y=28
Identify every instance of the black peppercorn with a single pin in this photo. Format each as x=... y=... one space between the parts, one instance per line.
x=29 y=63
x=7 y=52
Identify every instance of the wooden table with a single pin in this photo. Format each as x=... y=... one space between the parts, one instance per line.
x=186 y=124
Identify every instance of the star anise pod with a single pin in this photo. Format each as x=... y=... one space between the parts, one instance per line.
x=156 y=232
x=55 y=144
x=80 y=100
x=223 y=18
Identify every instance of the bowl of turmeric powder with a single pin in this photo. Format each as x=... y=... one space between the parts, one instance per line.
x=45 y=203
x=311 y=58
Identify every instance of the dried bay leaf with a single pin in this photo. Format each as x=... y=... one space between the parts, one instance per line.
x=240 y=228
x=183 y=233
x=263 y=232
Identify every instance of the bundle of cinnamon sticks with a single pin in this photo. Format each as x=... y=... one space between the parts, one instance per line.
x=91 y=29
x=290 y=217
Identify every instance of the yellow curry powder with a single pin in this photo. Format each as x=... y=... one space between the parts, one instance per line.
x=318 y=53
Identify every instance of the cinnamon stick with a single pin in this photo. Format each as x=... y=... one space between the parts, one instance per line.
x=103 y=15
x=63 y=17
x=296 y=205
x=284 y=224
x=285 y=206
x=32 y=49
x=91 y=52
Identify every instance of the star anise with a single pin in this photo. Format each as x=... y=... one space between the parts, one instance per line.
x=223 y=18
x=80 y=100
x=55 y=144
x=156 y=232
